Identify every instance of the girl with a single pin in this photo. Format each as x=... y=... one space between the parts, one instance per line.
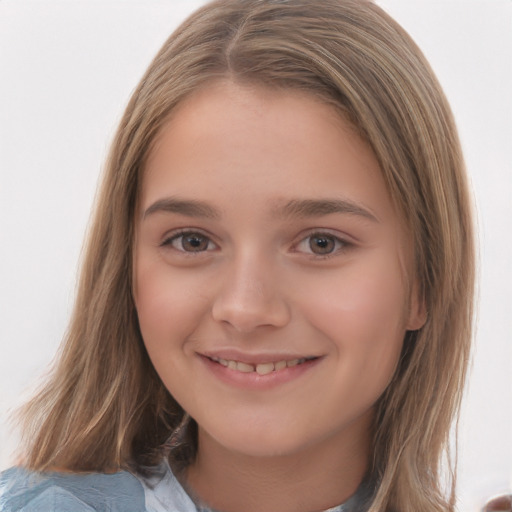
x=274 y=310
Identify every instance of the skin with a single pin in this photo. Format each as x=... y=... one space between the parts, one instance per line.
x=259 y=277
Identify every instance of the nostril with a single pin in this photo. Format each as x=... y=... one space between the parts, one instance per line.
x=246 y=312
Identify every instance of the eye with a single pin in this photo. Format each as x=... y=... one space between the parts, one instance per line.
x=322 y=244
x=189 y=241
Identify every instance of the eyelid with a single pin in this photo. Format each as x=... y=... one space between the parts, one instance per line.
x=346 y=241
x=170 y=236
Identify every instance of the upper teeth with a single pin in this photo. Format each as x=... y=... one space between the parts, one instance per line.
x=260 y=368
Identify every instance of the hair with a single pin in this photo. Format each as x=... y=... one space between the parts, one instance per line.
x=104 y=407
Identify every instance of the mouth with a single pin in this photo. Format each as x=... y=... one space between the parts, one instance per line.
x=263 y=368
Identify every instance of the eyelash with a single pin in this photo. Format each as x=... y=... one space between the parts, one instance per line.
x=173 y=237
x=340 y=245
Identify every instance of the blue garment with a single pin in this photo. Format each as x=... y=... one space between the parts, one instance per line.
x=32 y=492
x=25 y=491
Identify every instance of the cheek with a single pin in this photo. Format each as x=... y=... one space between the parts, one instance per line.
x=361 y=312
x=168 y=305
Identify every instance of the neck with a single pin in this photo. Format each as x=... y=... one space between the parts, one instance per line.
x=313 y=479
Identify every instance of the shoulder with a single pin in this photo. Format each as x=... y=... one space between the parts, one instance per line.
x=25 y=491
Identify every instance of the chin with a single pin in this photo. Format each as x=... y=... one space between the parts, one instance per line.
x=261 y=441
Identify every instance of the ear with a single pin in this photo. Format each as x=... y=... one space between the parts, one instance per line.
x=417 y=315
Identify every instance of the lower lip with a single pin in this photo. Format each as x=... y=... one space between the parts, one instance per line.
x=253 y=380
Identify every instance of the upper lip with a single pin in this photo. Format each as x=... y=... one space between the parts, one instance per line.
x=254 y=358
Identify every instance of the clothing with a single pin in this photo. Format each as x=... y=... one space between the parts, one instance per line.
x=24 y=491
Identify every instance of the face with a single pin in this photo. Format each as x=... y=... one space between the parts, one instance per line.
x=269 y=270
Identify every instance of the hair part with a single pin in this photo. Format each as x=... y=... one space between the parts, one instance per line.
x=104 y=407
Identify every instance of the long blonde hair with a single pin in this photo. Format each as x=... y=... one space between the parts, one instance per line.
x=104 y=407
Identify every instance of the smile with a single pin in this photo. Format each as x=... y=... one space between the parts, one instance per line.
x=260 y=368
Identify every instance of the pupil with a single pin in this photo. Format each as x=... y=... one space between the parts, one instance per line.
x=321 y=244
x=195 y=243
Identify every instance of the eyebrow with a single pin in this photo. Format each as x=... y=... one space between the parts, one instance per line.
x=189 y=208
x=298 y=208
x=304 y=208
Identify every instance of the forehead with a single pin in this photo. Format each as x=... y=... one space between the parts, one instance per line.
x=242 y=112
x=295 y=142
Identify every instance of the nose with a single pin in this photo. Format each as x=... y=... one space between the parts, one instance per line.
x=249 y=297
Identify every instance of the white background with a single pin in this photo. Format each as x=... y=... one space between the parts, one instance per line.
x=67 y=69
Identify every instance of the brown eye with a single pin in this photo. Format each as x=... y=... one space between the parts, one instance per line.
x=189 y=242
x=194 y=242
x=322 y=244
